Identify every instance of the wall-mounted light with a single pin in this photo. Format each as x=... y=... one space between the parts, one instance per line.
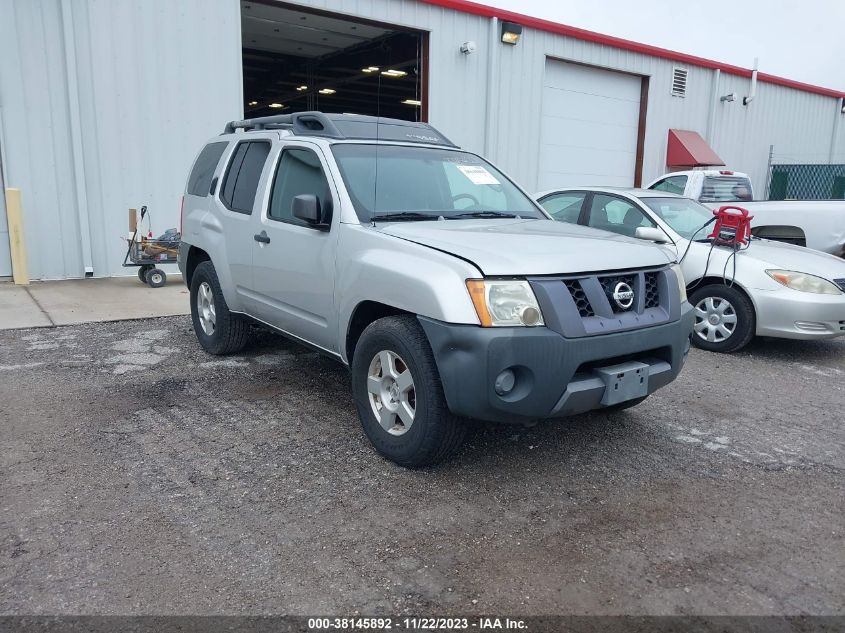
x=413 y=102
x=842 y=110
x=276 y=106
x=467 y=48
x=511 y=32
x=327 y=91
x=728 y=97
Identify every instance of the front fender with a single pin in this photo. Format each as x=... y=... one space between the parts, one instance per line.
x=372 y=266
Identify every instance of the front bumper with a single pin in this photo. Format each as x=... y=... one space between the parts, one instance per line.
x=555 y=376
x=792 y=314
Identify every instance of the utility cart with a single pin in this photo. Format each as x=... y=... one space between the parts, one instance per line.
x=148 y=254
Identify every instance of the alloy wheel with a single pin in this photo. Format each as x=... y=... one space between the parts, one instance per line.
x=390 y=387
x=205 y=308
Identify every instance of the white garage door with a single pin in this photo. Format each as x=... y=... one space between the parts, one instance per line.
x=589 y=126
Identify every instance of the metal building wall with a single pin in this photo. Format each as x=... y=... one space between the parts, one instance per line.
x=795 y=122
x=104 y=105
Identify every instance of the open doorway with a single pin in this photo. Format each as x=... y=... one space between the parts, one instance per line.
x=297 y=59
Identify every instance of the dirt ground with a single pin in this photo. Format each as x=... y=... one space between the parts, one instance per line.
x=140 y=476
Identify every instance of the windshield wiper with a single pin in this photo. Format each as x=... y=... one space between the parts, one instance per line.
x=482 y=214
x=402 y=216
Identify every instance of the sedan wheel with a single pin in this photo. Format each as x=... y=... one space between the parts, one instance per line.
x=715 y=319
x=724 y=318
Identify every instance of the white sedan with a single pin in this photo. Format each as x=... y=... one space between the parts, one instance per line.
x=768 y=289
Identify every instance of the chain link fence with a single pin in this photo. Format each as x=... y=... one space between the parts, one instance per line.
x=806 y=182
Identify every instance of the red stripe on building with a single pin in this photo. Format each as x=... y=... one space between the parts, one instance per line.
x=464 y=6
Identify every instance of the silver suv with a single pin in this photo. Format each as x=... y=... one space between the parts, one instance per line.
x=444 y=287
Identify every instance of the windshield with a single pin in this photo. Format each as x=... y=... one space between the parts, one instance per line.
x=397 y=182
x=685 y=216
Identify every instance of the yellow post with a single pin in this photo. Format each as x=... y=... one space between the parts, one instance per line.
x=17 y=244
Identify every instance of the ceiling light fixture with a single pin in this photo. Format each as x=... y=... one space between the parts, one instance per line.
x=253 y=103
x=327 y=91
x=413 y=102
x=276 y=105
x=511 y=32
x=301 y=88
x=371 y=69
x=394 y=73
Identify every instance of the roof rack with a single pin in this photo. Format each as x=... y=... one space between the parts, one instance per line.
x=344 y=126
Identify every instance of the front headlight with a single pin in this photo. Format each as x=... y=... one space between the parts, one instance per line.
x=804 y=282
x=682 y=283
x=504 y=303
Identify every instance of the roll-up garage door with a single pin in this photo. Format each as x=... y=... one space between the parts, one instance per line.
x=589 y=126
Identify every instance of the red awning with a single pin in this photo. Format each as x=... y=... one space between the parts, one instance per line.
x=686 y=148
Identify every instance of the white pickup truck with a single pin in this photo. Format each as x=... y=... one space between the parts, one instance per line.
x=818 y=224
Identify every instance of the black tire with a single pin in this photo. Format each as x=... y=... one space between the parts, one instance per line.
x=230 y=333
x=155 y=278
x=142 y=273
x=739 y=305
x=435 y=433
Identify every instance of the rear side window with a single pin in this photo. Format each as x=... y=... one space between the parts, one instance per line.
x=672 y=184
x=299 y=172
x=242 y=176
x=725 y=189
x=199 y=182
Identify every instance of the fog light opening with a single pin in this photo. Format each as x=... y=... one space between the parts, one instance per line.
x=812 y=326
x=505 y=382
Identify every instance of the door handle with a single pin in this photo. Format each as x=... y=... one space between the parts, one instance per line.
x=262 y=237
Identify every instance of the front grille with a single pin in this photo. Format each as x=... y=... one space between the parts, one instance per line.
x=840 y=283
x=609 y=284
x=652 y=292
x=590 y=297
x=580 y=298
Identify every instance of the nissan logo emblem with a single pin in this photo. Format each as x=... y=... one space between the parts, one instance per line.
x=623 y=295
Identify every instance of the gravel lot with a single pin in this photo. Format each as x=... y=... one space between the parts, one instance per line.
x=139 y=475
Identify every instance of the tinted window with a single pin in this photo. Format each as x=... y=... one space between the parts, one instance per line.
x=725 y=189
x=199 y=182
x=610 y=213
x=566 y=206
x=241 y=181
x=299 y=172
x=673 y=184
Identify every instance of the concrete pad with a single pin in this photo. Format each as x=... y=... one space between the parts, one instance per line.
x=18 y=310
x=111 y=299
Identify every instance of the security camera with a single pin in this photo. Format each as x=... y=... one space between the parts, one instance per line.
x=468 y=47
x=729 y=97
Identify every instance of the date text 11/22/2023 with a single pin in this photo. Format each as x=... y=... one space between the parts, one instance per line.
x=416 y=624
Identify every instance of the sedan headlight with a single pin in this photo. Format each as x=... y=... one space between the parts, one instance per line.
x=682 y=283
x=804 y=282
x=501 y=303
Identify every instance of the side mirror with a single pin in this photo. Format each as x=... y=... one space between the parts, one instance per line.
x=650 y=233
x=307 y=207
